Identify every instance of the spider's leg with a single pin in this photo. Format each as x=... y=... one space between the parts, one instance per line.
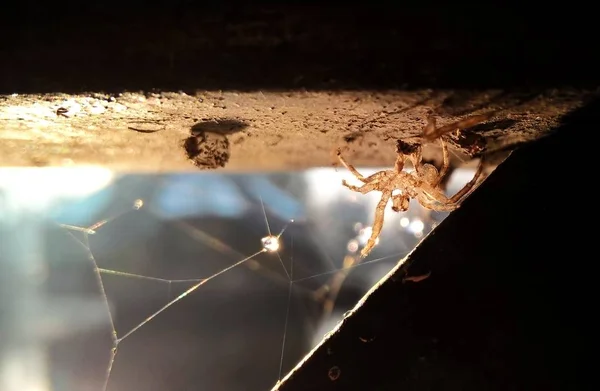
x=416 y=158
x=377 y=224
x=399 y=165
x=418 y=155
x=445 y=163
x=433 y=198
x=436 y=205
x=351 y=168
x=467 y=188
x=429 y=131
x=364 y=189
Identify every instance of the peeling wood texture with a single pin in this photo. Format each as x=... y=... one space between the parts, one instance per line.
x=125 y=89
x=255 y=130
x=499 y=309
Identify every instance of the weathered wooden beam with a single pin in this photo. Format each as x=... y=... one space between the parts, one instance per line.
x=273 y=87
x=240 y=131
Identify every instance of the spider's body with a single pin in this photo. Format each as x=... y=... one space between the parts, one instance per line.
x=422 y=184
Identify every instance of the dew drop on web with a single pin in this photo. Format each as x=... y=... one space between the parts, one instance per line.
x=270 y=243
x=138 y=204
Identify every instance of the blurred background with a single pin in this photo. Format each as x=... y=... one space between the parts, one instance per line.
x=155 y=236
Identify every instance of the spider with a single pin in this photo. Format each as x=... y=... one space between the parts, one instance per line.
x=423 y=183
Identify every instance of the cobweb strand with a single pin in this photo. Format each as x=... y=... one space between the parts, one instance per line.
x=287 y=311
x=270 y=243
x=187 y=292
x=100 y=284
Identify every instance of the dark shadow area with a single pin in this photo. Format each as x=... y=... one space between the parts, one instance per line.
x=502 y=124
x=224 y=126
x=146 y=126
x=208 y=146
x=178 y=45
x=207 y=150
x=500 y=309
x=465 y=102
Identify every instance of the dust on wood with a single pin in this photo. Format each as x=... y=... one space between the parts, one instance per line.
x=290 y=130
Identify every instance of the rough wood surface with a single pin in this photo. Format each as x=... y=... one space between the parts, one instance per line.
x=275 y=87
x=258 y=130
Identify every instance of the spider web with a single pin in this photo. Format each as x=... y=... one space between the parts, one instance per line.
x=303 y=262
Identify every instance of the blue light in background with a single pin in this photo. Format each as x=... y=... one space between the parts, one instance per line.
x=81 y=211
x=193 y=195
x=278 y=202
